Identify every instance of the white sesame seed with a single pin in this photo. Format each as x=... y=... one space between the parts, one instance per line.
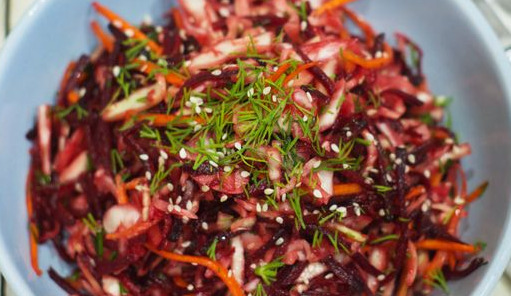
x=345 y=166
x=398 y=161
x=284 y=196
x=159 y=29
x=148 y=175
x=369 y=180
x=208 y=110
x=182 y=153
x=188 y=104
x=264 y=208
x=227 y=168
x=388 y=177
x=274 y=98
x=425 y=206
x=343 y=211
x=139 y=188
x=427 y=173
x=279 y=220
x=217 y=72
x=170 y=208
x=170 y=186
x=186 y=244
x=316 y=164
x=258 y=208
x=349 y=134
x=224 y=136
x=129 y=33
x=237 y=145
x=164 y=154
x=335 y=148
x=357 y=211
x=329 y=276
x=381 y=212
x=190 y=287
x=371 y=112
x=305 y=118
x=303 y=25
x=224 y=12
x=317 y=193
x=253 y=266
x=381 y=277
x=333 y=208
x=182 y=34
x=411 y=158
x=144 y=157
x=245 y=174
x=224 y=198
x=177 y=208
x=198 y=109
x=309 y=96
x=459 y=200
x=267 y=90
x=189 y=205
x=250 y=92
x=291 y=82
x=205 y=226
x=392 y=156
x=269 y=191
x=117 y=23
x=82 y=92
x=279 y=241
x=213 y=164
x=116 y=70
x=204 y=188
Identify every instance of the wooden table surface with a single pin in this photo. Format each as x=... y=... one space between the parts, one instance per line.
x=10 y=13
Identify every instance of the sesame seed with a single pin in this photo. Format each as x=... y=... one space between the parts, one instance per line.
x=371 y=112
x=369 y=180
x=398 y=161
x=190 y=287
x=245 y=174
x=250 y=92
x=329 y=276
x=305 y=118
x=188 y=104
x=170 y=208
x=117 y=23
x=205 y=226
x=279 y=220
x=303 y=25
x=279 y=241
x=264 y=208
x=269 y=191
x=82 y=92
x=144 y=157
x=116 y=70
x=357 y=211
x=224 y=136
x=335 y=148
x=208 y=110
x=381 y=277
x=349 y=134
x=217 y=72
x=309 y=96
x=343 y=211
x=198 y=109
x=459 y=200
x=170 y=186
x=189 y=205
x=253 y=266
x=182 y=34
x=316 y=164
x=267 y=90
x=388 y=177
x=381 y=212
x=274 y=98
x=427 y=173
x=237 y=145
x=224 y=198
x=182 y=153
x=411 y=158
x=148 y=175
x=425 y=206
x=159 y=29
x=186 y=244
x=164 y=154
x=317 y=193
x=284 y=196
x=345 y=166
x=177 y=208
x=204 y=188
x=224 y=11
x=227 y=168
x=130 y=33
x=258 y=208
x=213 y=164
x=392 y=156
x=187 y=64
x=333 y=208
x=291 y=82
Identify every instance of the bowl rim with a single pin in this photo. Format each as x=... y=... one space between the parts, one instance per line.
x=502 y=254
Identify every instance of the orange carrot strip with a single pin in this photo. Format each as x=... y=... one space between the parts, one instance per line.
x=455 y=220
x=281 y=70
x=214 y=266
x=415 y=191
x=33 y=231
x=477 y=193
x=331 y=5
x=375 y=63
x=106 y=40
x=73 y=97
x=161 y=120
x=451 y=260
x=347 y=189
x=180 y=282
x=435 y=264
x=133 y=231
x=134 y=183
x=298 y=71
x=434 y=244
x=122 y=196
x=126 y=26
x=177 y=18
x=363 y=25
x=148 y=68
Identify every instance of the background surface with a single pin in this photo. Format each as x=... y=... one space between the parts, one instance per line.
x=12 y=10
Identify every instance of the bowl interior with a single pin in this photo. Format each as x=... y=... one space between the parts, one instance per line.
x=463 y=60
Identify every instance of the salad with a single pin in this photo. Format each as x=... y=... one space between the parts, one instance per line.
x=249 y=147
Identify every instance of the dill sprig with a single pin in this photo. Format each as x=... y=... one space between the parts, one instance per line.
x=437 y=279
x=211 y=252
x=268 y=272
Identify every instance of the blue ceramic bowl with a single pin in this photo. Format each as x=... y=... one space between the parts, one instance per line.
x=463 y=60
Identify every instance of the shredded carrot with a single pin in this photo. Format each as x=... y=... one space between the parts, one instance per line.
x=126 y=26
x=434 y=244
x=451 y=260
x=122 y=196
x=148 y=68
x=477 y=193
x=347 y=189
x=33 y=231
x=180 y=282
x=331 y=5
x=134 y=183
x=298 y=70
x=370 y=63
x=177 y=18
x=455 y=220
x=415 y=192
x=436 y=179
x=162 y=120
x=106 y=40
x=363 y=25
x=436 y=264
x=133 y=231
x=280 y=71
x=214 y=266
x=73 y=97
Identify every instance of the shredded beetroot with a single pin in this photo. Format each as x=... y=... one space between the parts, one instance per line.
x=249 y=147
